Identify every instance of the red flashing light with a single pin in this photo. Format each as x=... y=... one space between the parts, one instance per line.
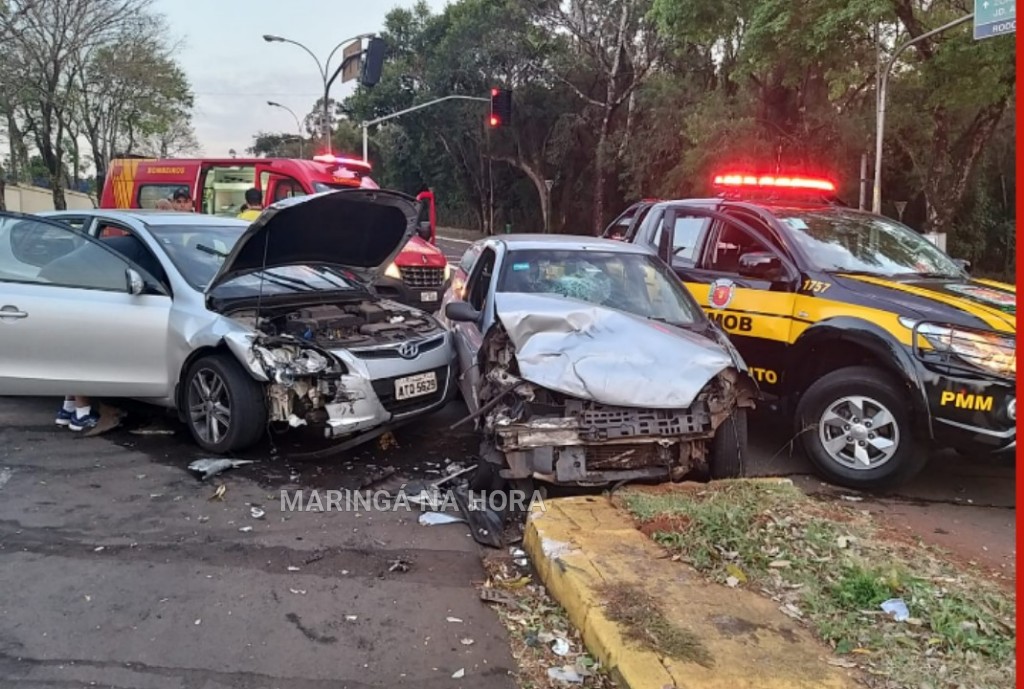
x=355 y=163
x=494 y=92
x=494 y=121
x=774 y=182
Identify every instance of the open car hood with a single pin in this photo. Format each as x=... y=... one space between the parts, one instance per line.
x=359 y=229
x=605 y=355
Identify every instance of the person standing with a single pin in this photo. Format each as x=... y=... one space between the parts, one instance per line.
x=77 y=413
x=253 y=205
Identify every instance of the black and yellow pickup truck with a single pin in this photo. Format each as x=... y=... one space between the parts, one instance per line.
x=877 y=342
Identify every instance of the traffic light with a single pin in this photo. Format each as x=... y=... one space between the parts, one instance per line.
x=373 y=62
x=501 y=107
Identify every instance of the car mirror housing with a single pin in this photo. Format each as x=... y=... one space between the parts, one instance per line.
x=423 y=230
x=134 y=281
x=762 y=265
x=461 y=312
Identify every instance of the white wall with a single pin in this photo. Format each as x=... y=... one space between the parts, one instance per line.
x=25 y=199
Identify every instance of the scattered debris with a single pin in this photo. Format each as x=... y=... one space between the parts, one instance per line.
x=246 y=529
x=300 y=592
x=257 y=513
x=560 y=647
x=198 y=622
x=439 y=518
x=378 y=476
x=851 y=498
x=351 y=618
x=110 y=418
x=897 y=608
x=219 y=493
x=98 y=549
x=317 y=555
x=454 y=619
x=459 y=674
x=399 y=565
x=387 y=441
x=293 y=568
x=490 y=595
x=151 y=431
x=212 y=467
x=566 y=673
x=466 y=642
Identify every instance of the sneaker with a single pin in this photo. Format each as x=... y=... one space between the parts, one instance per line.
x=82 y=423
x=64 y=417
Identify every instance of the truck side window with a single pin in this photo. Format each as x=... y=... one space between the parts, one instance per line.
x=728 y=245
x=149 y=195
x=687 y=235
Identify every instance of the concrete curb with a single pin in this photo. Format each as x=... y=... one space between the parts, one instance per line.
x=580 y=544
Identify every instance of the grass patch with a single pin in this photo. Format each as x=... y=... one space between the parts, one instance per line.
x=831 y=566
x=638 y=612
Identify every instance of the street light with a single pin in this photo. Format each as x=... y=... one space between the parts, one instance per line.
x=298 y=125
x=876 y=192
x=325 y=73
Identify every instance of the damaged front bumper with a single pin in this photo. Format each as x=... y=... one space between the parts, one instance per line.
x=590 y=443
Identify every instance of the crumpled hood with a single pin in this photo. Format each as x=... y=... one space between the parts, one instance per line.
x=359 y=229
x=605 y=355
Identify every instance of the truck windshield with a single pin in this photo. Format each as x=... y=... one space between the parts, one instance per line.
x=839 y=240
x=635 y=283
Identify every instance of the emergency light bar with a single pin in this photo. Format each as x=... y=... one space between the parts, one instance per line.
x=346 y=162
x=773 y=182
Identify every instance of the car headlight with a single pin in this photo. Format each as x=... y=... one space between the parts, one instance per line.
x=393 y=271
x=447 y=271
x=994 y=352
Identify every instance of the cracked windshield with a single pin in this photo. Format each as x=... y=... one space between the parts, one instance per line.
x=508 y=344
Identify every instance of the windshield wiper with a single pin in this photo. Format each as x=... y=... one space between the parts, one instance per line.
x=209 y=250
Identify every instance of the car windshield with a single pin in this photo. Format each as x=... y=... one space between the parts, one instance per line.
x=847 y=241
x=198 y=251
x=635 y=283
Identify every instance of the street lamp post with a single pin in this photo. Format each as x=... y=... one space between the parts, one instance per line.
x=298 y=125
x=325 y=74
x=876 y=192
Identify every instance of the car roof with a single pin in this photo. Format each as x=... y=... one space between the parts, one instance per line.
x=566 y=242
x=152 y=217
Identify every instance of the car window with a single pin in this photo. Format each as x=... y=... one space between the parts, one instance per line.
x=636 y=283
x=35 y=251
x=480 y=281
x=124 y=241
x=619 y=226
x=75 y=222
x=469 y=259
x=686 y=238
x=729 y=243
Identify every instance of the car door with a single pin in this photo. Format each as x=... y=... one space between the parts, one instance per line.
x=69 y=323
x=469 y=336
x=747 y=285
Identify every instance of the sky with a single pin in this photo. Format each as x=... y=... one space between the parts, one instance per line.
x=234 y=72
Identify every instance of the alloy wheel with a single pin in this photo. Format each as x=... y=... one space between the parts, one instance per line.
x=859 y=433
x=209 y=406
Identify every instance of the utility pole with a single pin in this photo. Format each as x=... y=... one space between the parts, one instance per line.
x=876 y=192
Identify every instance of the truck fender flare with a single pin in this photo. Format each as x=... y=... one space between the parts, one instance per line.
x=878 y=342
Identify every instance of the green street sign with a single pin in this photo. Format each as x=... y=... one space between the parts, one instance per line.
x=994 y=18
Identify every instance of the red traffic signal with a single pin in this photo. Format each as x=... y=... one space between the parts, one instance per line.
x=501 y=107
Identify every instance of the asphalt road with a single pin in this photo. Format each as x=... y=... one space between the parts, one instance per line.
x=117 y=570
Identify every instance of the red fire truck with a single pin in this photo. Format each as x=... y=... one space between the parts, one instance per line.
x=418 y=275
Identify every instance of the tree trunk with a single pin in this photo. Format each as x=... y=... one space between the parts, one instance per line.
x=537 y=177
x=3 y=193
x=599 y=172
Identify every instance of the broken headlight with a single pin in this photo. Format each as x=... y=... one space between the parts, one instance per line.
x=991 y=351
x=393 y=271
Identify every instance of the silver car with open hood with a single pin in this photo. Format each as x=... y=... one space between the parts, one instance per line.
x=585 y=361
x=234 y=325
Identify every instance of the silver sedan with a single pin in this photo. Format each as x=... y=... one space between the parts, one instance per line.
x=236 y=326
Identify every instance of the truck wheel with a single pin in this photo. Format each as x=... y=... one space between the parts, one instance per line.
x=729 y=446
x=856 y=428
x=225 y=408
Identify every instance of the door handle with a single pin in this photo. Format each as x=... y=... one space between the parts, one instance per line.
x=12 y=312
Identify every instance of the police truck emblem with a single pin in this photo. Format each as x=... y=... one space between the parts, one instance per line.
x=720 y=294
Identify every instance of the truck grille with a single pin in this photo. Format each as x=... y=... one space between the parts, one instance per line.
x=419 y=276
x=385 y=390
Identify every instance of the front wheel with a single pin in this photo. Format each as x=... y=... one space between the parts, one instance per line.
x=856 y=428
x=729 y=446
x=225 y=408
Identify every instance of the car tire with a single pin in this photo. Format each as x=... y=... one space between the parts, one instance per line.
x=729 y=446
x=856 y=454
x=239 y=393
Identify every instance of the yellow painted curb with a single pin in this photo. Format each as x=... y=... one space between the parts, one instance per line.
x=579 y=544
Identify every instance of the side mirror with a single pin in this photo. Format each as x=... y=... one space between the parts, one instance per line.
x=423 y=230
x=136 y=285
x=762 y=265
x=963 y=264
x=461 y=312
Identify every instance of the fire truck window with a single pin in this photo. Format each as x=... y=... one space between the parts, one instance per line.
x=151 y=194
x=287 y=188
x=731 y=243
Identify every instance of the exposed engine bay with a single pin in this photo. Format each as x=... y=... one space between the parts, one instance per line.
x=364 y=323
x=536 y=432
x=310 y=385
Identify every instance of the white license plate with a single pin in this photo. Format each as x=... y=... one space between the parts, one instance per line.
x=428 y=296
x=415 y=386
